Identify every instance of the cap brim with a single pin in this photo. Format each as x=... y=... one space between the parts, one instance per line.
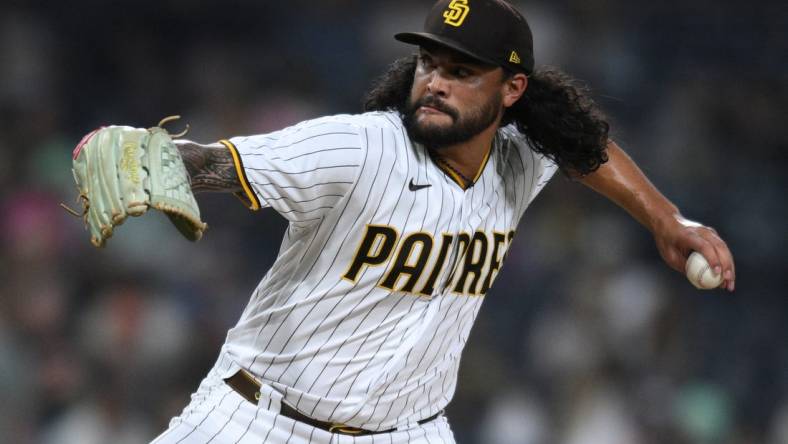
x=420 y=38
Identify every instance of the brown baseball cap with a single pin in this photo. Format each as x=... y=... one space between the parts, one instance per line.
x=491 y=31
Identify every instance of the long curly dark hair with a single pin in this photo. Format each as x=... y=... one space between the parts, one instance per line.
x=556 y=114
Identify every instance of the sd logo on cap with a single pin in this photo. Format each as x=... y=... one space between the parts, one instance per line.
x=456 y=12
x=491 y=31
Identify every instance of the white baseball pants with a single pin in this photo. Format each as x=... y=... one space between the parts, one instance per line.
x=218 y=414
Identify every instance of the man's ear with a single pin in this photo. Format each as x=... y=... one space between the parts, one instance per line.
x=513 y=88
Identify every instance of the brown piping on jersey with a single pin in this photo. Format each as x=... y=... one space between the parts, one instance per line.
x=248 y=197
x=462 y=180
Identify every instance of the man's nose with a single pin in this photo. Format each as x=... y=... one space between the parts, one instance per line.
x=437 y=84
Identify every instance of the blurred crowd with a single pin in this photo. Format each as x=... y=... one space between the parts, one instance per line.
x=586 y=338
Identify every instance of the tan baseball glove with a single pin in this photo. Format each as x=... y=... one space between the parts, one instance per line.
x=122 y=171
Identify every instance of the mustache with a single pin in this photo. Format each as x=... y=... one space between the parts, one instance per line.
x=434 y=102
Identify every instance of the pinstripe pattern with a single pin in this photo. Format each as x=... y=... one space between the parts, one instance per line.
x=341 y=347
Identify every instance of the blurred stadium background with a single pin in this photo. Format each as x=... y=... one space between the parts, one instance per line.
x=586 y=337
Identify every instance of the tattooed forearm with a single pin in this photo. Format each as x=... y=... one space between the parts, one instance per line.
x=210 y=167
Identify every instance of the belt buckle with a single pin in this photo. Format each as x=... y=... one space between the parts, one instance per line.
x=347 y=430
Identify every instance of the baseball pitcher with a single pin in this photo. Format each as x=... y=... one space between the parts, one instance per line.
x=400 y=219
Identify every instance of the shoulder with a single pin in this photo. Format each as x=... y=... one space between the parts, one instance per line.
x=509 y=134
x=332 y=132
x=511 y=143
x=348 y=124
x=372 y=120
x=514 y=145
x=510 y=138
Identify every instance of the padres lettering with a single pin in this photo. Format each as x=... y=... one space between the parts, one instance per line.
x=456 y=12
x=479 y=254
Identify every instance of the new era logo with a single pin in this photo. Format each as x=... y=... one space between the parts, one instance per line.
x=514 y=57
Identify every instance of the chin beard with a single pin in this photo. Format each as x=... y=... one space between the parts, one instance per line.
x=462 y=128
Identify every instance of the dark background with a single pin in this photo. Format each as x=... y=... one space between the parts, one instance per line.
x=586 y=337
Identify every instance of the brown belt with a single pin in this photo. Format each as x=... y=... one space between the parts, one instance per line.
x=248 y=387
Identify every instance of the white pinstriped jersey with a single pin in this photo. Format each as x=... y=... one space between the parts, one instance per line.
x=362 y=318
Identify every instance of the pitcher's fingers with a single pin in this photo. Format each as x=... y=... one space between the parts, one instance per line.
x=702 y=245
x=727 y=265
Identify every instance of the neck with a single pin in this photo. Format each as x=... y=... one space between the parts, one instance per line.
x=467 y=157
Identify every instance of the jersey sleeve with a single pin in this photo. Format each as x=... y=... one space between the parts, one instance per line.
x=302 y=171
x=545 y=170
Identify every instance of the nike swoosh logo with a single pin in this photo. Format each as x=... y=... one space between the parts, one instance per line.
x=413 y=187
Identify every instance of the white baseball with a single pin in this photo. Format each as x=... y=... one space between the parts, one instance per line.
x=700 y=273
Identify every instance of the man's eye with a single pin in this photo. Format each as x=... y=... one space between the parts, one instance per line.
x=462 y=72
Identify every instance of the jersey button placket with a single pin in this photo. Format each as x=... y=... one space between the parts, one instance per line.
x=456 y=227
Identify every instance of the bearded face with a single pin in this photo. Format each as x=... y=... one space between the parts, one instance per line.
x=435 y=124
